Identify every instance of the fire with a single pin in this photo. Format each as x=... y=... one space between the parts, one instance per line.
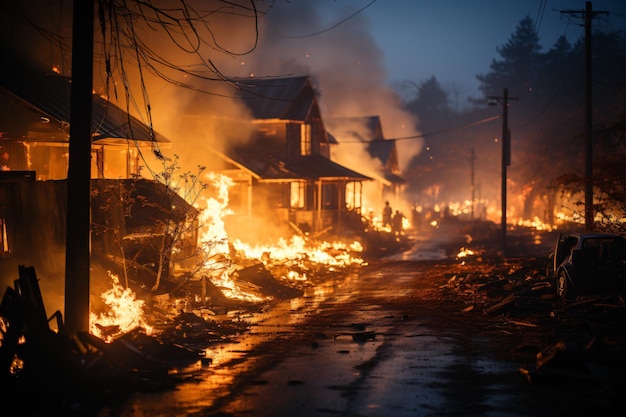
x=214 y=238
x=536 y=224
x=296 y=250
x=214 y=241
x=464 y=252
x=291 y=253
x=230 y=289
x=125 y=312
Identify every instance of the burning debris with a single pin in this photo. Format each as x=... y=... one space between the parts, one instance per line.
x=38 y=359
x=125 y=312
x=134 y=341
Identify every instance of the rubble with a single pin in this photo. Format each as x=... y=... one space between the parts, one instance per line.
x=510 y=298
x=41 y=361
x=264 y=282
x=580 y=341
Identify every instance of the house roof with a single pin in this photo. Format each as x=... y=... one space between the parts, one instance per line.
x=261 y=166
x=268 y=168
x=282 y=99
x=394 y=178
x=374 y=142
x=318 y=167
x=377 y=146
x=289 y=98
x=40 y=95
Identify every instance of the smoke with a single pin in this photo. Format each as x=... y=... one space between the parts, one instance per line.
x=345 y=62
x=321 y=39
x=279 y=39
x=182 y=83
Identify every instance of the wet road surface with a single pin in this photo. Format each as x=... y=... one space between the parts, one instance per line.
x=358 y=345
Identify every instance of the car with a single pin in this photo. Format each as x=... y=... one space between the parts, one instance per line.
x=588 y=263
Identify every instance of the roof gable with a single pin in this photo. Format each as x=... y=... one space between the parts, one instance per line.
x=367 y=130
x=289 y=98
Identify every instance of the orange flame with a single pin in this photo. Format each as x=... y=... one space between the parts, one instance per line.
x=125 y=312
x=294 y=254
x=291 y=253
x=464 y=252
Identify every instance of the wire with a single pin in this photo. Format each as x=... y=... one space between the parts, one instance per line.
x=542 y=8
x=328 y=29
x=185 y=27
x=438 y=132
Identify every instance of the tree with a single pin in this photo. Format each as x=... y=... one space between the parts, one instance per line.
x=609 y=180
x=431 y=104
x=546 y=121
x=175 y=222
x=520 y=64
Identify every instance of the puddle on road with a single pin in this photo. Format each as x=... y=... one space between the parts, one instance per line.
x=420 y=377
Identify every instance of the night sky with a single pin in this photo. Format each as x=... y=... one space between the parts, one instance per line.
x=456 y=39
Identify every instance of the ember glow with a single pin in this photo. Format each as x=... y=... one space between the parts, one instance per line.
x=294 y=256
x=486 y=210
x=297 y=249
x=125 y=313
x=464 y=252
x=536 y=224
x=292 y=253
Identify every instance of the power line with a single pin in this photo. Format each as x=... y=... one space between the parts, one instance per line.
x=542 y=8
x=328 y=29
x=438 y=132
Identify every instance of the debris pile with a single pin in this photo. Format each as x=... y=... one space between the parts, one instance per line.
x=39 y=359
x=582 y=340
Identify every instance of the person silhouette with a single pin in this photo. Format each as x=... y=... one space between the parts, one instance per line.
x=387 y=214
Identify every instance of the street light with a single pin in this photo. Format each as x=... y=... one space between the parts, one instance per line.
x=506 y=152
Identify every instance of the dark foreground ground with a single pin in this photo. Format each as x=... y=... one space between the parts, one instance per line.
x=480 y=335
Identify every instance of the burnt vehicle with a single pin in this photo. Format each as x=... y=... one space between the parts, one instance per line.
x=588 y=263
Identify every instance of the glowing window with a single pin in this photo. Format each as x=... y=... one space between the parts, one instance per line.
x=305 y=139
x=297 y=195
x=5 y=250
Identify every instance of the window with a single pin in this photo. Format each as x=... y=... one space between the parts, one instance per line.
x=297 y=195
x=5 y=250
x=305 y=139
x=115 y=162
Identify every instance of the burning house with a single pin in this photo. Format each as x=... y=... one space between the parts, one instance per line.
x=34 y=143
x=366 y=134
x=283 y=172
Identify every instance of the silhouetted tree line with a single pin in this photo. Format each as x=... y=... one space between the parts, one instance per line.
x=546 y=119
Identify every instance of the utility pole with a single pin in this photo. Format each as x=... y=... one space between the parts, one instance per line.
x=472 y=187
x=77 y=241
x=506 y=154
x=588 y=14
